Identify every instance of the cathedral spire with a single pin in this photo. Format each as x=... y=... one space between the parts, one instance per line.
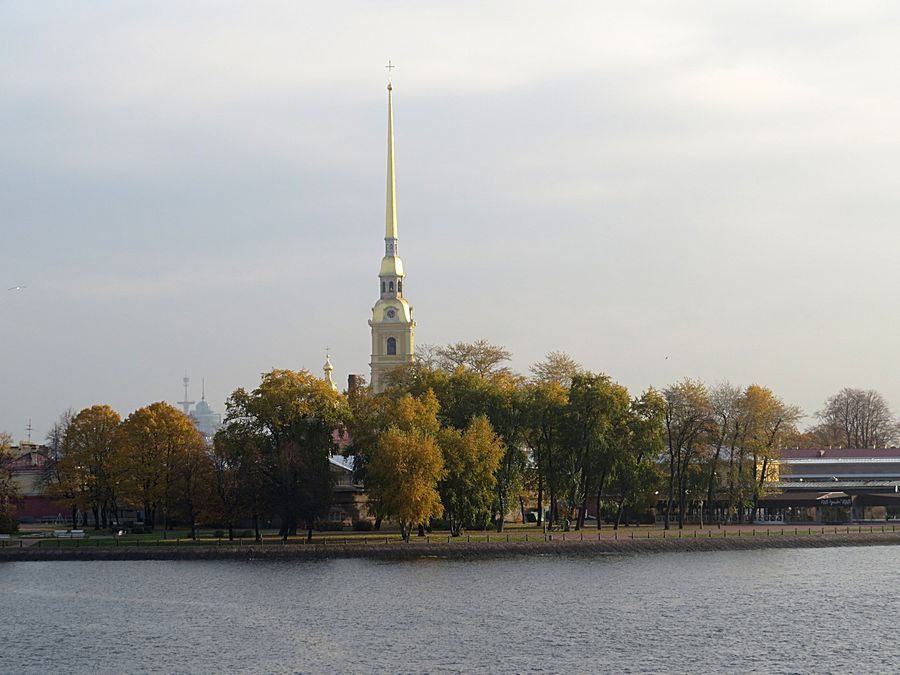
x=390 y=224
x=392 y=323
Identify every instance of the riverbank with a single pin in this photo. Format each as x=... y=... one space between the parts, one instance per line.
x=455 y=550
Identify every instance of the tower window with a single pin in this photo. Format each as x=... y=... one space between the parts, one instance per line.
x=391 y=286
x=400 y=286
x=382 y=287
x=392 y=346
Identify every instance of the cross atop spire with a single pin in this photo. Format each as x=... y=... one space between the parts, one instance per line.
x=390 y=68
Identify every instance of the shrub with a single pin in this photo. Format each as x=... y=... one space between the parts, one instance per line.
x=218 y=534
x=8 y=524
x=363 y=525
x=244 y=534
x=328 y=526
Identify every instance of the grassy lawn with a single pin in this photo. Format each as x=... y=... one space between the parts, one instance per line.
x=511 y=533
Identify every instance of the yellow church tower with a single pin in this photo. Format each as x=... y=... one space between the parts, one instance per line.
x=392 y=323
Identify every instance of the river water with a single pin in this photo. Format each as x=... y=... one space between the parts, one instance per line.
x=804 y=610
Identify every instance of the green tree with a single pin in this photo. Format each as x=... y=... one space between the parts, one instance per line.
x=638 y=476
x=292 y=416
x=594 y=427
x=237 y=486
x=544 y=407
x=471 y=460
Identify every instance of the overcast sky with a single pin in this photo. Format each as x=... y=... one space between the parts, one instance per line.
x=703 y=189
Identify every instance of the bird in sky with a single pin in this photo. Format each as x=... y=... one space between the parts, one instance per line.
x=17 y=288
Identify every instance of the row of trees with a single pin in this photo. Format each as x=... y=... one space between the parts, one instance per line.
x=155 y=459
x=457 y=440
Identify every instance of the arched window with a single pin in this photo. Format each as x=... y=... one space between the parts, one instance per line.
x=400 y=286
x=382 y=287
x=391 y=286
x=392 y=346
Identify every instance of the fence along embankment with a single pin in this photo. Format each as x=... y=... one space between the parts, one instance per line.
x=456 y=550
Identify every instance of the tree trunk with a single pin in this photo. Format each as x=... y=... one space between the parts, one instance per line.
x=256 y=532
x=582 y=512
x=599 y=517
x=230 y=531
x=377 y=525
x=522 y=508
x=670 y=495
x=619 y=512
x=540 y=500
x=74 y=517
x=710 y=489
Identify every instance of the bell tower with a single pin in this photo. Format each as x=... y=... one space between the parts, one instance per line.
x=392 y=323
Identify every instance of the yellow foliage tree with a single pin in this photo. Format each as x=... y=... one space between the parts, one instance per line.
x=90 y=465
x=157 y=441
x=408 y=463
x=403 y=477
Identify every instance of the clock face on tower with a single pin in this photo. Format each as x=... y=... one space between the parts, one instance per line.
x=391 y=314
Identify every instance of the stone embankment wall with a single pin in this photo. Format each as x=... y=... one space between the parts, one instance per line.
x=450 y=551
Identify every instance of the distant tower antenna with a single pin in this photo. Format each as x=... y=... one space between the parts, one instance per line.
x=29 y=429
x=202 y=389
x=186 y=403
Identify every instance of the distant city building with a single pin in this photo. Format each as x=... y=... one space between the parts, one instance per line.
x=205 y=419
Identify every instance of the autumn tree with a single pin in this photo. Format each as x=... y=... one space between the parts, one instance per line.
x=856 y=418
x=408 y=464
x=556 y=367
x=156 y=441
x=291 y=417
x=90 y=464
x=195 y=475
x=464 y=394
x=726 y=428
x=688 y=419
x=8 y=491
x=480 y=357
x=770 y=421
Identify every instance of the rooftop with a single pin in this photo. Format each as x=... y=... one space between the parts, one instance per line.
x=840 y=453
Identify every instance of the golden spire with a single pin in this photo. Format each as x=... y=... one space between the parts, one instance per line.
x=390 y=226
